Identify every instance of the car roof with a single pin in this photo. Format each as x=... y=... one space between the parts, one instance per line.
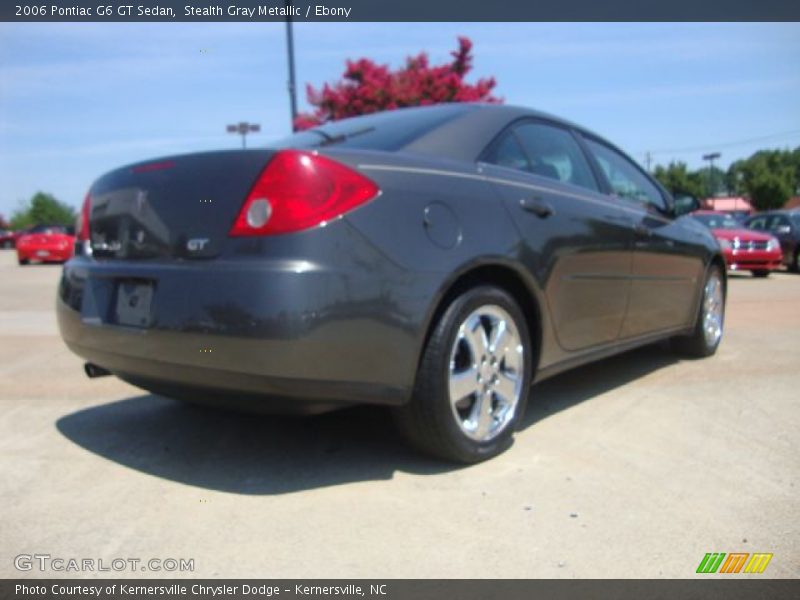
x=463 y=133
x=467 y=135
x=777 y=211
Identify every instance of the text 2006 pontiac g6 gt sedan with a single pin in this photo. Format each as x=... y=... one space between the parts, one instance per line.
x=436 y=260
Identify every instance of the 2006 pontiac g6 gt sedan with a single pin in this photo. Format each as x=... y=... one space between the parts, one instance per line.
x=436 y=260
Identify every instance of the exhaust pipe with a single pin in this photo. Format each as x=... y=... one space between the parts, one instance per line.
x=92 y=370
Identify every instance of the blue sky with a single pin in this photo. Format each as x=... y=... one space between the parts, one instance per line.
x=77 y=99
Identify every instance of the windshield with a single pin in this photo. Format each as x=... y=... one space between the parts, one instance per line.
x=718 y=221
x=796 y=220
x=389 y=130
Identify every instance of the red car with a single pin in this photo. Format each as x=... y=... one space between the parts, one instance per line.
x=744 y=249
x=8 y=239
x=45 y=243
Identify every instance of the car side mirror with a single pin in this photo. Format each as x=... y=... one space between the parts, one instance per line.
x=783 y=229
x=683 y=205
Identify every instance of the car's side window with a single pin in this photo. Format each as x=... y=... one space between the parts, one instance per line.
x=507 y=152
x=626 y=179
x=777 y=222
x=544 y=150
x=553 y=152
x=758 y=223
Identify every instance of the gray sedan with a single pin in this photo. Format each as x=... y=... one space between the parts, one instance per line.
x=434 y=260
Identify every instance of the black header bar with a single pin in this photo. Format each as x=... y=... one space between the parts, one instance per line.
x=401 y=10
x=733 y=588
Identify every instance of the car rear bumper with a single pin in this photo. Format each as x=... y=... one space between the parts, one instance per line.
x=745 y=260
x=260 y=330
x=45 y=253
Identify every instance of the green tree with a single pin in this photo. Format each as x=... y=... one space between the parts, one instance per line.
x=770 y=177
x=714 y=181
x=677 y=178
x=734 y=178
x=795 y=161
x=42 y=208
x=769 y=191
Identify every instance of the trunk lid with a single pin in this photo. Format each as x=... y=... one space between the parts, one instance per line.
x=174 y=207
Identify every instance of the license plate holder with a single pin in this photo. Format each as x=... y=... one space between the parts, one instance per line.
x=133 y=304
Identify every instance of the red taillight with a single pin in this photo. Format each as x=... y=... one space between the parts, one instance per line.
x=299 y=190
x=83 y=221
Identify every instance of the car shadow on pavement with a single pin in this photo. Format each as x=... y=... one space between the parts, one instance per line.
x=258 y=454
x=244 y=453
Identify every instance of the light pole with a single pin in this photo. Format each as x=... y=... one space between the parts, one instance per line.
x=711 y=158
x=243 y=129
x=290 y=54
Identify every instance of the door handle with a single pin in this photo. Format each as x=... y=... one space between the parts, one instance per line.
x=537 y=206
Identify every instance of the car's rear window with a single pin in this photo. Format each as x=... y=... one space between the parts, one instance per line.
x=389 y=130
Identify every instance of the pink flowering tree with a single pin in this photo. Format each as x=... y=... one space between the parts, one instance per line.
x=367 y=87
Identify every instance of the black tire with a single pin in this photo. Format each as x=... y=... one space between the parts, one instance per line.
x=795 y=264
x=696 y=344
x=761 y=273
x=428 y=421
x=22 y=261
x=8 y=244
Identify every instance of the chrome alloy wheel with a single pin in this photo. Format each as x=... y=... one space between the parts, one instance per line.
x=486 y=373
x=713 y=310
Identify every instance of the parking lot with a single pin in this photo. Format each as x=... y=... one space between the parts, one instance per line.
x=633 y=467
